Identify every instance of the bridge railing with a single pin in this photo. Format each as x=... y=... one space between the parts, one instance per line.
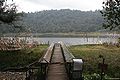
x=48 y=55
x=44 y=62
x=68 y=57
x=73 y=66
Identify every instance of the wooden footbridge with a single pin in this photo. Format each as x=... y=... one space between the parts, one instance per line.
x=59 y=63
x=56 y=70
x=56 y=64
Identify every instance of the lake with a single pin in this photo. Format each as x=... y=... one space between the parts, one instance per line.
x=75 y=40
x=70 y=40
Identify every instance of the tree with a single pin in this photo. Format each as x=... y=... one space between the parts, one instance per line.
x=111 y=14
x=9 y=14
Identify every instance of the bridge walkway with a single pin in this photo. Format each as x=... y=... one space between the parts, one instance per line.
x=56 y=70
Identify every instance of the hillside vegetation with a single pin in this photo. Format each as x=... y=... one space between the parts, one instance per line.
x=63 y=20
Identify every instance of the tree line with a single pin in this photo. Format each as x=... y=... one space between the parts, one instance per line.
x=64 y=20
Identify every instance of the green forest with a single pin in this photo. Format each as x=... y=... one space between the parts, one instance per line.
x=52 y=21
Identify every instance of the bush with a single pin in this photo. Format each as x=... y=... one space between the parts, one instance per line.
x=94 y=76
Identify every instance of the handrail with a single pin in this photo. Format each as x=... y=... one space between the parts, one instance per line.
x=47 y=57
x=67 y=55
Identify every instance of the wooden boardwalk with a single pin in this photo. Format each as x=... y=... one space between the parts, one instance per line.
x=56 y=69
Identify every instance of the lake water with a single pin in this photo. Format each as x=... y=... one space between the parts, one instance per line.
x=70 y=41
x=75 y=41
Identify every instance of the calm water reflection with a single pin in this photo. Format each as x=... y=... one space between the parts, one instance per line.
x=75 y=41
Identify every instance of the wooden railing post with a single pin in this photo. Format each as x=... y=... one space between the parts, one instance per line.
x=69 y=60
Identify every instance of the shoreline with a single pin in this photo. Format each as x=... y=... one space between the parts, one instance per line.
x=67 y=35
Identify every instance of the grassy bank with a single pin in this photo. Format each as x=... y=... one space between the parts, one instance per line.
x=20 y=58
x=90 y=55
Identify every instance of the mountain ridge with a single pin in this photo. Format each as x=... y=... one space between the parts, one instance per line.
x=64 y=20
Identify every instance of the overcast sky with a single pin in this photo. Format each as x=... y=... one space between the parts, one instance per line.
x=38 y=5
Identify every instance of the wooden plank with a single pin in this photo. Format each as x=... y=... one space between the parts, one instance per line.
x=57 y=71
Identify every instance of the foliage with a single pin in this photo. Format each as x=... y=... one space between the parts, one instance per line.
x=63 y=20
x=111 y=14
x=90 y=55
x=8 y=12
x=119 y=40
x=9 y=16
x=92 y=77
x=20 y=58
x=95 y=76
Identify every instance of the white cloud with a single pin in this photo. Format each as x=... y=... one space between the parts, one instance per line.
x=37 y=5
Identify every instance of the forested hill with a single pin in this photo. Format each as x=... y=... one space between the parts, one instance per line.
x=63 y=20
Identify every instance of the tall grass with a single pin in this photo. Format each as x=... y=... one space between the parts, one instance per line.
x=90 y=55
x=20 y=58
